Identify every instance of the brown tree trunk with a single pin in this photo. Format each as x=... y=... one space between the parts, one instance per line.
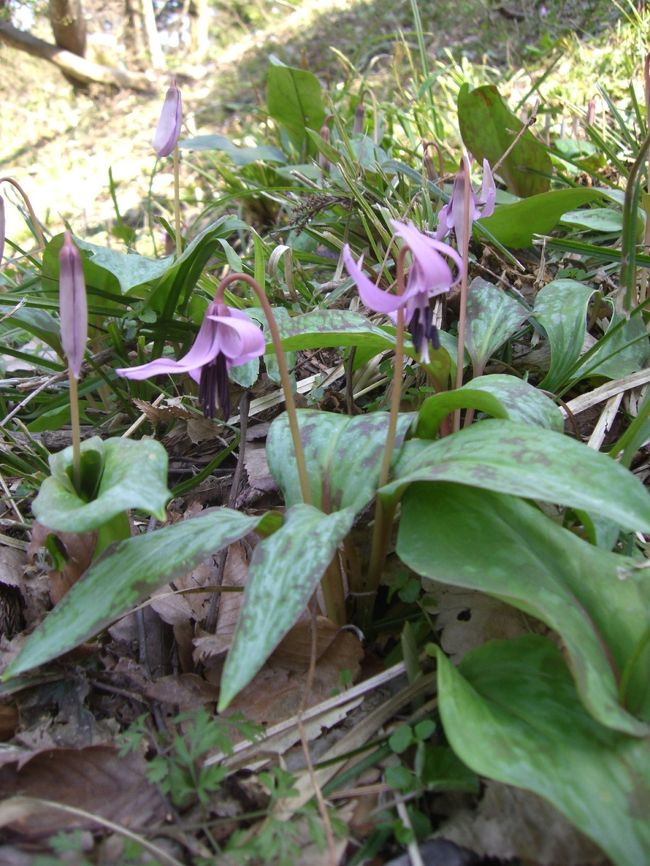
x=198 y=12
x=151 y=35
x=69 y=25
x=71 y=64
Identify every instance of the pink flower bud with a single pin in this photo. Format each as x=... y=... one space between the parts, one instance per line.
x=73 y=308
x=169 y=123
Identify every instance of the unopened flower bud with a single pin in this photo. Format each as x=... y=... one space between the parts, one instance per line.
x=169 y=124
x=73 y=308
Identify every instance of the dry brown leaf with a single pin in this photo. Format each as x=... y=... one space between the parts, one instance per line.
x=186 y=691
x=235 y=573
x=257 y=468
x=277 y=692
x=77 y=550
x=94 y=779
x=469 y=618
x=172 y=607
x=513 y=823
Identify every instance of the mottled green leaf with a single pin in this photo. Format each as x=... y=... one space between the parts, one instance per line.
x=489 y=127
x=492 y=318
x=514 y=225
x=522 y=401
x=511 y=713
x=624 y=349
x=343 y=456
x=129 y=474
x=561 y=309
x=510 y=457
x=323 y=328
x=436 y=408
x=597 y=601
x=126 y=574
x=283 y=574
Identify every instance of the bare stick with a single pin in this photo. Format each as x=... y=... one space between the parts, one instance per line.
x=462 y=316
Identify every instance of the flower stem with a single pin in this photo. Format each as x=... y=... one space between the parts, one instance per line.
x=76 y=432
x=284 y=374
x=462 y=315
x=35 y=223
x=383 y=513
x=177 y=202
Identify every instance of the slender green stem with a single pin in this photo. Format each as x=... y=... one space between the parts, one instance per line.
x=462 y=315
x=383 y=513
x=76 y=432
x=177 y=202
x=284 y=374
x=626 y=301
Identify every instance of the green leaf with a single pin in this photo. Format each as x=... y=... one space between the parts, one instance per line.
x=492 y=318
x=514 y=225
x=561 y=309
x=239 y=155
x=598 y=219
x=523 y=558
x=623 y=350
x=343 y=456
x=510 y=457
x=522 y=401
x=489 y=127
x=436 y=408
x=126 y=574
x=294 y=101
x=323 y=328
x=511 y=713
x=128 y=474
x=283 y=574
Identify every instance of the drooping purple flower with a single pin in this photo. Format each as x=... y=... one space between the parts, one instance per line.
x=169 y=123
x=452 y=215
x=226 y=338
x=429 y=275
x=73 y=307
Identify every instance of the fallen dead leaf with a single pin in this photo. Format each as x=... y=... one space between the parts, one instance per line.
x=76 y=549
x=235 y=574
x=513 y=823
x=469 y=618
x=94 y=779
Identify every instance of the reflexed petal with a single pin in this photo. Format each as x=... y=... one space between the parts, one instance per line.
x=203 y=350
x=240 y=339
x=73 y=308
x=169 y=123
x=488 y=196
x=373 y=297
x=445 y=223
x=430 y=272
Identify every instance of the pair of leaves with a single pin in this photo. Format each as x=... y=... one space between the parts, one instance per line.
x=117 y=474
x=597 y=601
x=511 y=712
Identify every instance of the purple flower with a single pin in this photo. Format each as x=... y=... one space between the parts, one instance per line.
x=169 y=123
x=226 y=338
x=73 y=308
x=429 y=275
x=451 y=216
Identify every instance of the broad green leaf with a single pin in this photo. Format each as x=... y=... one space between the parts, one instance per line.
x=126 y=474
x=283 y=574
x=343 y=456
x=510 y=457
x=323 y=328
x=489 y=127
x=294 y=101
x=511 y=713
x=514 y=225
x=126 y=574
x=492 y=318
x=239 y=155
x=623 y=350
x=598 y=219
x=520 y=556
x=522 y=401
x=41 y=325
x=436 y=408
x=561 y=309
